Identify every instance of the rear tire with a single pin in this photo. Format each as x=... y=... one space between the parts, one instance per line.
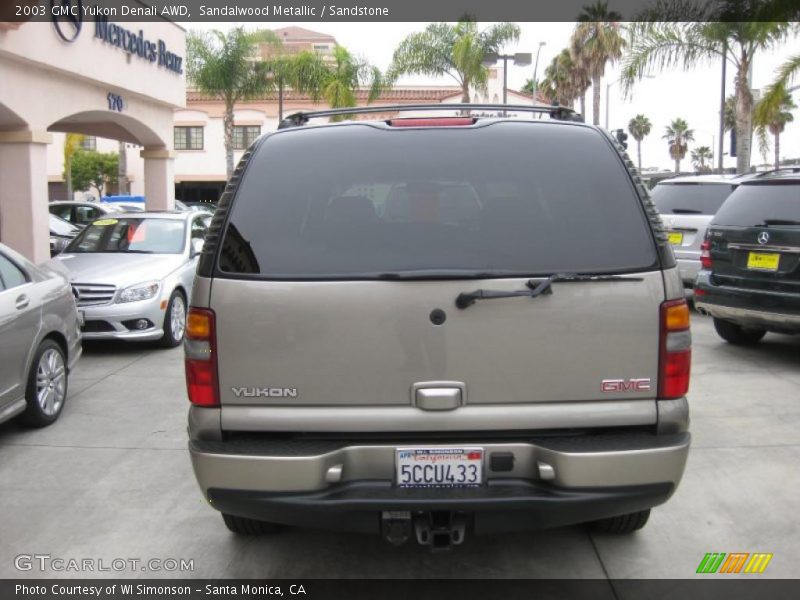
x=245 y=526
x=736 y=334
x=174 y=321
x=623 y=523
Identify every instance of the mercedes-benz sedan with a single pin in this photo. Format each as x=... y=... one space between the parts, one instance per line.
x=132 y=274
x=40 y=340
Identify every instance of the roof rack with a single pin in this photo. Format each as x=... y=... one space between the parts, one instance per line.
x=560 y=113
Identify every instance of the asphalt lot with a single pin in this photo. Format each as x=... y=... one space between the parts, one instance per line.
x=112 y=479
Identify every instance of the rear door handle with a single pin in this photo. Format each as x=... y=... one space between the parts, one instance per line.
x=22 y=302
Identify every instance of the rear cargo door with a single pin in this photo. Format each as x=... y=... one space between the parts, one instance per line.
x=347 y=247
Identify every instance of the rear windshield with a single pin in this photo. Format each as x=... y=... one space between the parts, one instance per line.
x=506 y=199
x=129 y=235
x=690 y=198
x=762 y=204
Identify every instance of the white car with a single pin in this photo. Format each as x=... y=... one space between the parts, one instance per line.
x=132 y=274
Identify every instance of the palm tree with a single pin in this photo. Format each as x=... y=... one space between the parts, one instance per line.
x=564 y=81
x=785 y=75
x=222 y=65
x=639 y=127
x=72 y=143
x=737 y=38
x=700 y=155
x=678 y=135
x=454 y=50
x=769 y=117
x=595 y=41
x=335 y=81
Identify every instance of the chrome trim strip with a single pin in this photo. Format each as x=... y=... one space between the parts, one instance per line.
x=765 y=248
x=551 y=415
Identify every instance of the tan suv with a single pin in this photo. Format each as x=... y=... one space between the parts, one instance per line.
x=427 y=326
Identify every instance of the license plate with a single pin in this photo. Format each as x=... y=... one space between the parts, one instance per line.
x=763 y=261
x=439 y=467
x=675 y=238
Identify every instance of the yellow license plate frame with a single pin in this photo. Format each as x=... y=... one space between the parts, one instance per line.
x=675 y=237
x=763 y=261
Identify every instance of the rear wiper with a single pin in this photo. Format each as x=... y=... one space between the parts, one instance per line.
x=686 y=211
x=768 y=222
x=536 y=288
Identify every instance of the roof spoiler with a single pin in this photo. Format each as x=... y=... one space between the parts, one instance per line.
x=560 y=113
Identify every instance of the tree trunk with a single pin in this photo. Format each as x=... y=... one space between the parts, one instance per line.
x=677 y=166
x=744 y=118
x=465 y=92
x=596 y=100
x=583 y=105
x=68 y=178
x=122 y=170
x=777 y=149
x=280 y=99
x=227 y=123
x=639 y=154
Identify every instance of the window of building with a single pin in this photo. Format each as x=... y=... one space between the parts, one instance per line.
x=188 y=138
x=89 y=142
x=244 y=135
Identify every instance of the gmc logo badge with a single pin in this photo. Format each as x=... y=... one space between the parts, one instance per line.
x=625 y=385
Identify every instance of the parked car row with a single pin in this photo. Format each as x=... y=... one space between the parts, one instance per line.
x=126 y=275
x=737 y=243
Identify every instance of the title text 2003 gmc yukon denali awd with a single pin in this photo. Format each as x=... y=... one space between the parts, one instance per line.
x=425 y=327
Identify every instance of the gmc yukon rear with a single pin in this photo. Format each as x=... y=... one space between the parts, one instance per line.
x=428 y=327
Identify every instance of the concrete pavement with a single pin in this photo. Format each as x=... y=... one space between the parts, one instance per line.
x=112 y=480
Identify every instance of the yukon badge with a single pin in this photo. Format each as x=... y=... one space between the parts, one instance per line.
x=265 y=392
x=609 y=386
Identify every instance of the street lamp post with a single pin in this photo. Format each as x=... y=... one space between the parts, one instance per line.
x=521 y=59
x=535 y=69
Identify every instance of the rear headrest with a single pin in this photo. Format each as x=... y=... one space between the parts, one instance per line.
x=352 y=210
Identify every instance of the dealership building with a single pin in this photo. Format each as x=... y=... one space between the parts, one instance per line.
x=104 y=80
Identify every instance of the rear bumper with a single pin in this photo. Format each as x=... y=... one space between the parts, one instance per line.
x=509 y=505
x=778 y=311
x=554 y=481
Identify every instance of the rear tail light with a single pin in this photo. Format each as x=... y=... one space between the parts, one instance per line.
x=201 y=358
x=676 y=350
x=705 y=254
x=432 y=122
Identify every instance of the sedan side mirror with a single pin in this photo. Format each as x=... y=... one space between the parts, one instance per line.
x=197 y=247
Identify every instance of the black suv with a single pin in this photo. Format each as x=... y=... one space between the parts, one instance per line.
x=750 y=282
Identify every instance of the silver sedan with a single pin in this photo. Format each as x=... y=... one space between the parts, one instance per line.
x=40 y=340
x=132 y=274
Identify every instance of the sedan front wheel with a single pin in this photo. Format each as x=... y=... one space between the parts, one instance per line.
x=174 y=321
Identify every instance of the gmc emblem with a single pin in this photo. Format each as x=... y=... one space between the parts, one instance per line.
x=625 y=385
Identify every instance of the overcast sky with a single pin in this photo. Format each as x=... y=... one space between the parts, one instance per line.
x=692 y=95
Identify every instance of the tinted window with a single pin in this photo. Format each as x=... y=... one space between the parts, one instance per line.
x=690 y=198
x=85 y=214
x=755 y=204
x=10 y=274
x=509 y=198
x=65 y=212
x=144 y=236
